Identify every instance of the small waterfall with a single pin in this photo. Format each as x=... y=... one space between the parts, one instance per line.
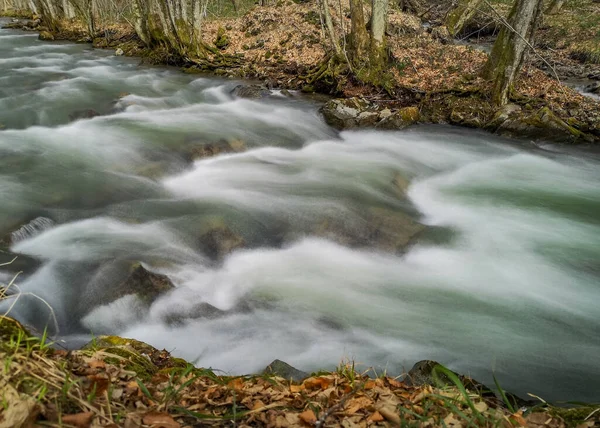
x=31 y=229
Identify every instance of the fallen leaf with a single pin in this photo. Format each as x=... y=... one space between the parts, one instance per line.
x=518 y=418
x=376 y=417
x=296 y=388
x=308 y=416
x=370 y=384
x=236 y=384
x=390 y=414
x=19 y=411
x=160 y=420
x=317 y=382
x=97 y=364
x=80 y=420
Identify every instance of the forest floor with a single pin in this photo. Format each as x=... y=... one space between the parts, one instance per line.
x=116 y=382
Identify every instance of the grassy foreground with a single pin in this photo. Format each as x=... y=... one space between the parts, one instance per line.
x=116 y=382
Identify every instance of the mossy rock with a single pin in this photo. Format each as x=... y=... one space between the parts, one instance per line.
x=46 y=35
x=222 y=41
x=10 y=328
x=576 y=415
x=134 y=355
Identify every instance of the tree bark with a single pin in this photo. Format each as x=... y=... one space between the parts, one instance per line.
x=555 y=7
x=461 y=14
x=359 y=37
x=378 y=25
x=329 y=26
x=509 y=50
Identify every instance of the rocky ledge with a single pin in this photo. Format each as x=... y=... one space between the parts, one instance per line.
x=512 y=120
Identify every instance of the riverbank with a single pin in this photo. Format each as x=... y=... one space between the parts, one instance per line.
x=283 y=46
x=118 y=382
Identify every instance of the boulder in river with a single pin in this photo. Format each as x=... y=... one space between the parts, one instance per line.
x=383 y=228
x=202 y=151
x=83 y=114
x=346 y=113
x=251 y=91
x=401 y=119
x=218 y=240
x=148 y=286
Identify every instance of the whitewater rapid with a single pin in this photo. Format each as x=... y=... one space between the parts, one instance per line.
x=504 y=280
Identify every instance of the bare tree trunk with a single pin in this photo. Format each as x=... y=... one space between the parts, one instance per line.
x=141 y=11
x=378 y=24
x=329 y=26
x=509 y=50
x=555 y=7
x=359 y=38
x=461 y=14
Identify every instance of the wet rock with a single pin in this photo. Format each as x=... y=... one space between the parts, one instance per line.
x=542 y=124
x=219 y=240
x=386 y=229
x=32 y=23
x=251 y=91
x=425 y=373
x=201 y=310
x=284 y=370
x=83 y=114
x=13 y=25
x=346 y=113
x=148 y=286
x=119 y=52
x=214 y=149
x=594 y=88
x=401 y=119
x=46 y=35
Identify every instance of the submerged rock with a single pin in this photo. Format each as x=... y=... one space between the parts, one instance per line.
x=214 y=149
x=83 y=114
x=218 y=240
x=145 y=284
x=594 y=88
x=284 y=370
x=383 y=228
x=251 y=91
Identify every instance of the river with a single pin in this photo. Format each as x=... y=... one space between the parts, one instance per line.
x=505 y=279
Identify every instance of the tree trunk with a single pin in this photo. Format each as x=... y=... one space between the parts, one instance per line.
x=461 y=14
x=329 y=26
x=555 y=7
x=378 y=24
x=141 y=11
x=359 y=37
x=509 y=50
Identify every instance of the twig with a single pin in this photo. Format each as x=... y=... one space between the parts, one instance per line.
x=340 y=404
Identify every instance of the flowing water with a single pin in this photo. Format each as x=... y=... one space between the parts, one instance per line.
x=504 y=280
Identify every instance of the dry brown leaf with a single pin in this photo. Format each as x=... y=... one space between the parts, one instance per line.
x=296 y=388
x=308 y=416
x=20 y=411
x=317 y=382
x=389 y=413
x=79 y=420
x=160 y=420
x=376 y=417
x=97 y=364
x=518 y=418
x=237 y=384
